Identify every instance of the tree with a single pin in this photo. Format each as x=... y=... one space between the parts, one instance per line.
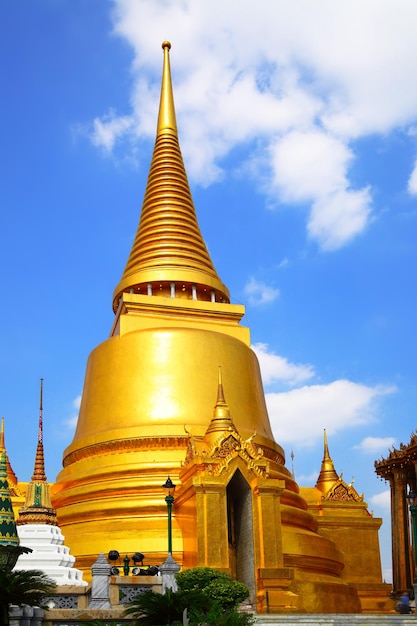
x=218 y=586
x=22 y=587
x=156 y=609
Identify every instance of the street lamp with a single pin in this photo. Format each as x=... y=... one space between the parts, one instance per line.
x=169 y=488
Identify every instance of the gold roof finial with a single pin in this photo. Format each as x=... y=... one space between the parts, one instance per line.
x=328 y=475
x=169 y=256
x=166 y=117
x=221 y=420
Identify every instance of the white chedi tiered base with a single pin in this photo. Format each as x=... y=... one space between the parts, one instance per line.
x=49 y=554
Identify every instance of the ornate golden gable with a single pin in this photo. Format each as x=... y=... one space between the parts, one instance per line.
x=215 y=458
x=342 y=492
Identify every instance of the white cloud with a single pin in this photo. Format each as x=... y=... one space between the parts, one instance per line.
x=381 y=500
x=335 y=406
x=412 y=181
x=76 y=403
x=375 y=445
x=107 y=130
x=308 y=165
x=71 y=421
x=337 y=218
x=277 y=368
x=312 y=166
x=304 y=89
x=259 y=293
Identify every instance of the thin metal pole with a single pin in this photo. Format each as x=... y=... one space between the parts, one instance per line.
x=169 y=500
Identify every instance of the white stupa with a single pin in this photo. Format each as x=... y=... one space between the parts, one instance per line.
x=37 y=528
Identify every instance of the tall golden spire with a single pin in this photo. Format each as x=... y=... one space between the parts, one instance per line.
x=169 y=256
x=328 y=475
x=38 y=507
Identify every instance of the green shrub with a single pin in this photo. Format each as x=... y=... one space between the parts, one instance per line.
x=218 y=586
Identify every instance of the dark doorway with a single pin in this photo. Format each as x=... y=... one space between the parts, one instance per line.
x=240 y=531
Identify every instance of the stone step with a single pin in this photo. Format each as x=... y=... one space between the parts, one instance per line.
x=336 y=620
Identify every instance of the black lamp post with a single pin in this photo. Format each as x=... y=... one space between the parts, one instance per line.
x=169 y=488
x=412 y=498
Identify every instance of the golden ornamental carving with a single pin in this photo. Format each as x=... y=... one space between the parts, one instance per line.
x=342 y=492
x=229 y=445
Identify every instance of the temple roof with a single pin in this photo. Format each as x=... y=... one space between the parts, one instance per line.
x=168 y=248
x=399 y=459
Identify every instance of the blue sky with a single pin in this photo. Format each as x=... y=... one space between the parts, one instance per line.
x=298 y=127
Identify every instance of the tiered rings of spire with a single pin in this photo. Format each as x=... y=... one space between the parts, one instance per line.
x=169 y=256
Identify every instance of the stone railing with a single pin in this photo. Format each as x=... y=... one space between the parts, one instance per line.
x=25 y=616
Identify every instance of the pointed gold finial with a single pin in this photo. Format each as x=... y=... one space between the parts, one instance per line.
x=221 y=420
x=166 y=117
x=2 y=435
x=328 y=475
x=326 y=454
x=220 y=392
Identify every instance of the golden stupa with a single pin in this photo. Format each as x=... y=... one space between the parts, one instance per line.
x=176 y=391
